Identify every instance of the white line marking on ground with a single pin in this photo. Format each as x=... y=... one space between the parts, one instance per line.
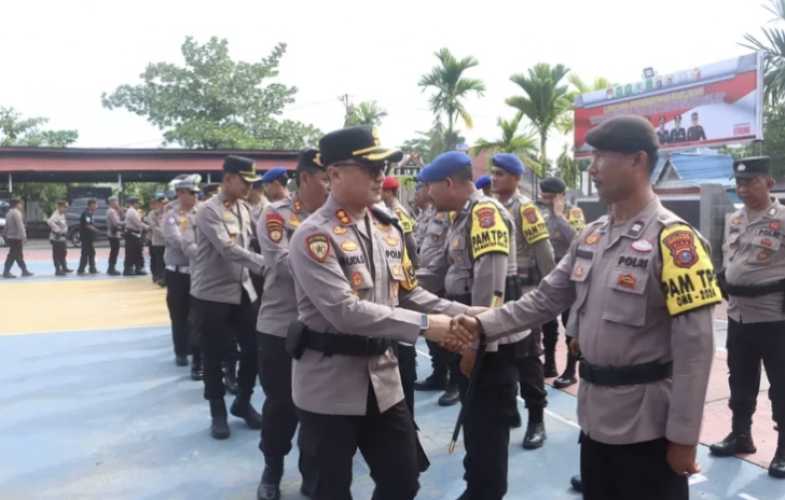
x=556 y=416
x=697 y=479
x=747 y=497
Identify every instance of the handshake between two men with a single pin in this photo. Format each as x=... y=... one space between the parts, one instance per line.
x=458 y=334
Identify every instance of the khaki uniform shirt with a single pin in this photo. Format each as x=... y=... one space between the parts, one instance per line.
x=275 y=228
x=222 y=262
x=133 y=223
x=351 y=278
x=433 y=252
x=179 y=231
x=754 y=254
x=114 y=223
x=155 y=222
x=640 y=292
x=15 y=225
x=560 y=230
x=58 y=227
x=421 y=222
x=479 y=245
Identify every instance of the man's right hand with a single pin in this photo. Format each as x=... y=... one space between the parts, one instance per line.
x=440 y=330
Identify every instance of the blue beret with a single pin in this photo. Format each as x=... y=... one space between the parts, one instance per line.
x=274 y=174
x=445 y=165
x=509 y=162
x=483 y=182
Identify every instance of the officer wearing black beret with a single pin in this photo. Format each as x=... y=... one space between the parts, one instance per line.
x=753 y=278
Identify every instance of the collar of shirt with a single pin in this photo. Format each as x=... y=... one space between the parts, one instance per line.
x=635 y=226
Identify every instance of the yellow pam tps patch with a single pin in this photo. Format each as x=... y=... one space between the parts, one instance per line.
x=407 y=224
x=576 y=219
x=488 y=231
x=688 y=278
x=409 y=281
x=532 y=224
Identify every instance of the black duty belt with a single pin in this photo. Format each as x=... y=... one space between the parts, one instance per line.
x=645 y=373
x=348 y=345
x=755 y=290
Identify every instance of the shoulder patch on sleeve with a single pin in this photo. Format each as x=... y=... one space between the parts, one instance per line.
x=274 y=224
x=409 y=282
x=688 y=278
x=532 y=224
x=488 y=231
x=318 y=246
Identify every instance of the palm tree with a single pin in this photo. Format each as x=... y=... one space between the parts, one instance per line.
x=452 y=88
x=366 y=113
x=511 y=141
x=773 y=48
x=566 y=123
x=545 y=99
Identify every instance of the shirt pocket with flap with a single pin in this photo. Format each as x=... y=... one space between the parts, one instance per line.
x=626 y=301
x=762 y=248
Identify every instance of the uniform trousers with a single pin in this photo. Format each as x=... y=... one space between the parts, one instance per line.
x=134 y=259
x=87 y=256
x=218 y=321
x=748 y=344
x=531 y=372
x=488 y=418
x=114 y=251
x=59 y=253
x=178 y=300
x=629 y=471
x=15 y=254
x=387 y=441
x=407 y=367
x=157 y=266
x=550 y=332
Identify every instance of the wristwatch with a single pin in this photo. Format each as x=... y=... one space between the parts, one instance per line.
x=424 y=323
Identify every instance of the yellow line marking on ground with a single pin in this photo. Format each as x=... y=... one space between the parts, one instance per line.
x=30 y=307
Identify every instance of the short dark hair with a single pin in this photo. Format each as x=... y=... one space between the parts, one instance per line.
x=464 y=174
x=14 y=202
x=61 y=203
x=92 y=201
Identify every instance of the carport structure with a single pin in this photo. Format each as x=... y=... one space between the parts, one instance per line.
x=125 y=165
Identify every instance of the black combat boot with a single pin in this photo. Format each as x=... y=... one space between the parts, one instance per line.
x=549 y=367
x=242 y=408
x=451 y=396
x=219 y=428
x=576 y=483
x=777 y=466
x=535 y=430
x=196 y=367
x=180 y=360
x=270 y=484
x=738 y=441
x=567 y=378
x=435 y=382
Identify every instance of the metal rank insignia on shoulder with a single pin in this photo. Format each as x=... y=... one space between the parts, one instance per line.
x=343 y=217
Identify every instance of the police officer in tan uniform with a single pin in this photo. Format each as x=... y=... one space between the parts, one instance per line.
x=278 y=310
x=533 y=260
x=154 y=220
x=134 y=233
x=114 y=231
x=223 y=293
x=641 y=286
x=480 y=259
x=754 y=280
x=58 y=231
x=179 y=235
x=353 y=279
x=390 y=190
x=562 y=232
x=15 y=236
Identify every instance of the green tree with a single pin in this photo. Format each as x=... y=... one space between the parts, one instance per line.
x=431 y=143
x=451 y=89
x=545 y=100
x=773 y=47
x=16 y=130
x=569 y=168
x=511 y=141
x=366 y=113
x=215 y=102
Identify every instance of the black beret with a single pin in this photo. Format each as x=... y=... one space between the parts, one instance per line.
x=309 y=159
x=132 y=199
x=750 y=167
x=242 y=166
x=624 y=134
x=355 y=143
x=552 y=185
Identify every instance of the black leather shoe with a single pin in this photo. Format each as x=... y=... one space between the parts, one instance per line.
x=733 y=444
x=68 y=270
x=432 y=383
x=93 y=271
x=59 y=273
x=535 y=436
x=113 y=272
x=576 y=483
x=181 y=360
x=269 y=486
x=777 y=465
x=27 y=274
x=565 y=380
x=308 y=488
x=549 y=369
x=196 y=371
x=242 y=408
x=140 y=273
x=450 y=397
x=8 y=275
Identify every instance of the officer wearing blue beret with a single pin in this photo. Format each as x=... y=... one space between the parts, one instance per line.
x=534 y=260
x=483 y=183
x=274 y=184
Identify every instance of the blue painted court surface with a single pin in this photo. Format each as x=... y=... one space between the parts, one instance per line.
x=107 y=415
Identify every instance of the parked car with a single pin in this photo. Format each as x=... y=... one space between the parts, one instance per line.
x=74 y=213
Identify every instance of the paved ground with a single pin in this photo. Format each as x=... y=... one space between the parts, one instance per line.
x=94 y=408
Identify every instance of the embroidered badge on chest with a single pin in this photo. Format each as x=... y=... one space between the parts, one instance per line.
x=642 y=246
x=339 y=230
x=318 y=246
x=592 y=239
x=391 y=240
x=682 y=248
x=349 y=246
x=774 y=225
x=357 y=280
x=626 y=281
x=274 y=225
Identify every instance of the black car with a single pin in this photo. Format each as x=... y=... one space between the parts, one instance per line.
x=74 y=213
